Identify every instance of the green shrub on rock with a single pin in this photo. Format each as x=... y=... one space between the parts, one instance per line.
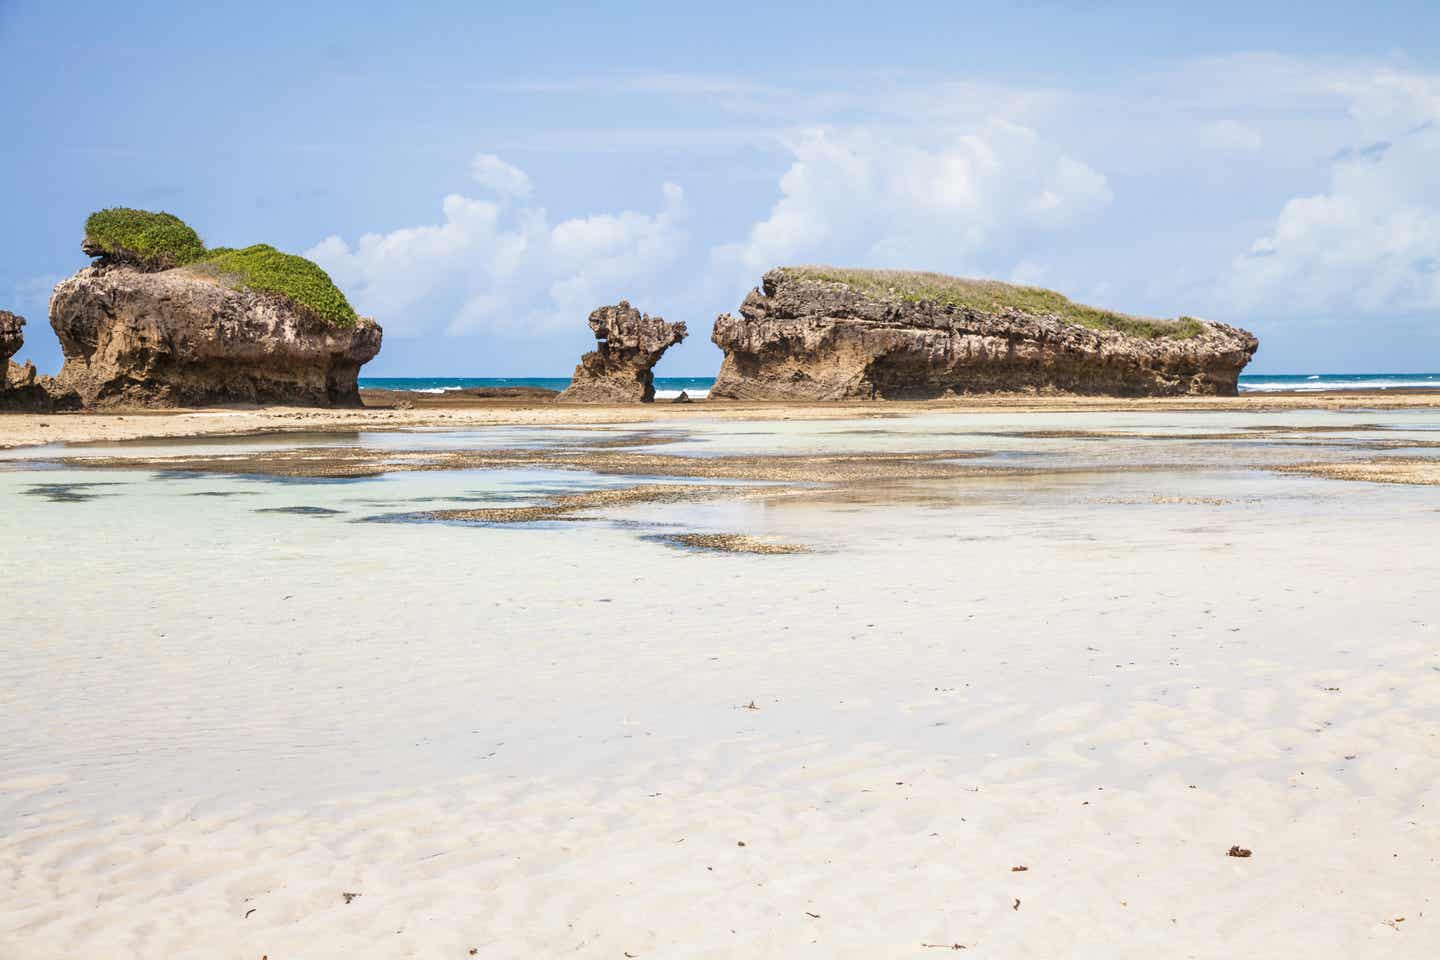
x=262 y=267
x=986 y=295
x=161 y=241
x=151 y=241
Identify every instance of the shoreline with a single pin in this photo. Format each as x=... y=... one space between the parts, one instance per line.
x=387 y=410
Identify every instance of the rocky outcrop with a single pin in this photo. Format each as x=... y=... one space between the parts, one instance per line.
x=12 y=335
x=800 y=338
x=20 y=389
x=180 y=337
x=628 y=346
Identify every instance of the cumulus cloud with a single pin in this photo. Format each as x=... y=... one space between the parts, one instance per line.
x=867 y=198
x=498 y=265
x=1369 y=244
x=490 y=171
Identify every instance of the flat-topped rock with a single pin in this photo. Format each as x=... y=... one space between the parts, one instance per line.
x=628 y=345
x=820 y=333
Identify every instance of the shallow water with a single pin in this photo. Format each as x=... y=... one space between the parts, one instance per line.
x=194 y=655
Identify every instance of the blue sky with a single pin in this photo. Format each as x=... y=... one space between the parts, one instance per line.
x=479 y=176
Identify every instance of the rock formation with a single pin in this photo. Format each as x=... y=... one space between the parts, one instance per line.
x=825 y=334
x=160 y=320
x=12 y=335
x=628 y=345
x=20 y=389
x=182 y=337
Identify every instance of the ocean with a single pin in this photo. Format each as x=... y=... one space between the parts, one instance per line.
x=699 y=387
x=666 y=388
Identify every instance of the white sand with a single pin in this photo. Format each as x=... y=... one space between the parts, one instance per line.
x=535 y=742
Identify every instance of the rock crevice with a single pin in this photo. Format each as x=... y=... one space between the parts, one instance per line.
x=805 y=339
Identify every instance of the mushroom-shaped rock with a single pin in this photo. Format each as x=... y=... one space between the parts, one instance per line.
x=183 y=338
x=628 y=345
x=159 y=320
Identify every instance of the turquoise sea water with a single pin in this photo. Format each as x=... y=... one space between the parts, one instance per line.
x=699 y=387
x=665 y=387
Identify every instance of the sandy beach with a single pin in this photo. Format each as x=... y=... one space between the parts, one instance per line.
x=858 y=680
x=720 y=482
x=396 y=410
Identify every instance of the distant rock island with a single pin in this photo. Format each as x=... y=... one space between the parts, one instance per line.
x=159 y=320
x=825 y=333
x=628 y=345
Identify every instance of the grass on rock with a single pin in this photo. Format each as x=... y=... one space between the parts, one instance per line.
x=157 y=241
x=262 y=267
x=162 y=241
x=987 y=295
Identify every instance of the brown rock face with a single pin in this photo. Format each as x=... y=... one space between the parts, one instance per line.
x=176 y=338
x=803 y=339
x=629 y=345
x=12 y=336
x=20 y=389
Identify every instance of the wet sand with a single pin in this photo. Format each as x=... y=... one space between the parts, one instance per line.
x=393 y=410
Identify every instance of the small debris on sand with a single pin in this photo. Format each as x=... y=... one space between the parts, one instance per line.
x=732 y=543
x=1237 y=851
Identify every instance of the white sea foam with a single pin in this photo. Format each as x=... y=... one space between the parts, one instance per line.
x=696 y=393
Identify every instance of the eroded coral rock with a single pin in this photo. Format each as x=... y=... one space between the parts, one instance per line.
x=185 y=338
x=628 y=345
x=21 y=390
x=12 y=335
x=803 y=338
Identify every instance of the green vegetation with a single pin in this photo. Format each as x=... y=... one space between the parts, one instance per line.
x=991 y=295
x=156 y=241
x=262 y=267
x=160 y=241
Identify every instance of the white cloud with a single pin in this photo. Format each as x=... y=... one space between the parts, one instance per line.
x=1369 y=244
x=915 y=170
x=480 y=269
x=864 y=198
x=490 y=171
